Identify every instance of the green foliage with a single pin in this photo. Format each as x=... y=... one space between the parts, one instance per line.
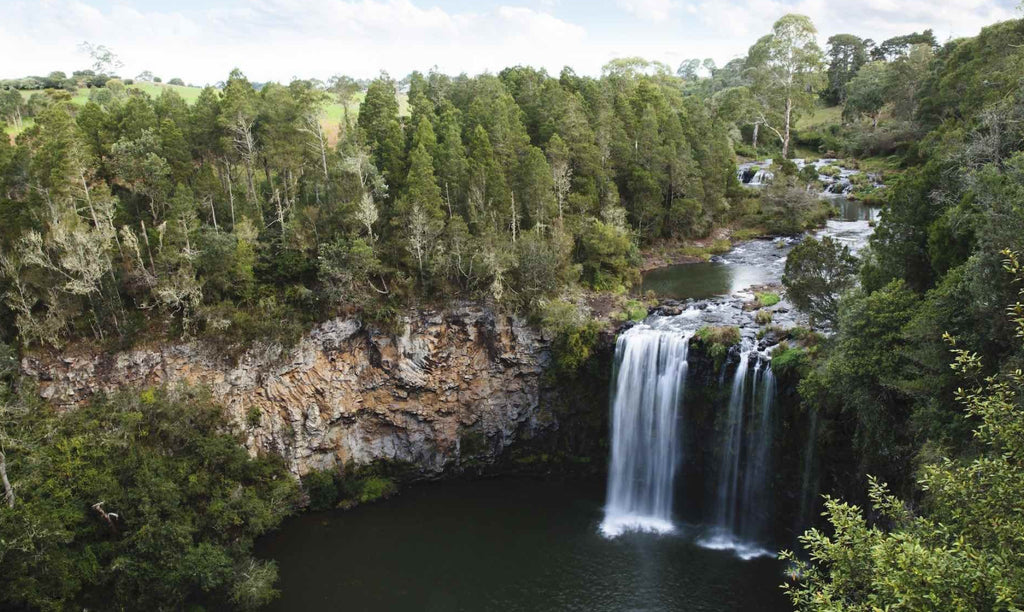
x=767 y=299
x=717 y=340
x=788 y=208
x=763 y=317
x=635 y=310
x=334 y=488
x=817 y=273
x=786 y=67
x=846 y=55
x=321 y=488
x=789 y=361
x=963 y=550
x=574 y=336
x=868 y=92
x=375 y=488
x=136 y=501
x=726 y=335
x=608 y=257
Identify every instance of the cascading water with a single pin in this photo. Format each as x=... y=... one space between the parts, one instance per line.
x=808 y=488
x=741 y=499
x=649 y=379
x=729 y=472
x=755 y=499
x=761 y=177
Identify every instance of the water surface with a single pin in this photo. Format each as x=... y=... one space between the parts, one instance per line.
x=701 y=280
x=505 y=544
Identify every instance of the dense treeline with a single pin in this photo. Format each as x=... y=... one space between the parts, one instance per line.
x=946 y=440
x=239 y=215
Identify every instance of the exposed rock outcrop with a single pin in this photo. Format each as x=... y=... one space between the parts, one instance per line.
x=347 y=392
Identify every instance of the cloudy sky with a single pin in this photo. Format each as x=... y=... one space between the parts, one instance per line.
x=202 y=40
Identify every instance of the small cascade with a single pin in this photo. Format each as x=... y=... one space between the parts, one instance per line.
x=808 y=486
x=649 y=381
x=755 y=500
x=729 y=471
x=755 y=174
x=761 y=177
x=742 y=484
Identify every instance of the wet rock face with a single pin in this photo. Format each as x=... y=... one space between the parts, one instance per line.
x=350 y=393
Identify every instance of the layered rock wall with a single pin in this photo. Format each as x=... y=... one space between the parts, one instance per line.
x=348 y=393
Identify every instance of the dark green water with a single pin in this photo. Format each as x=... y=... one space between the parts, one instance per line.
x=702 y=280
x=507 y=544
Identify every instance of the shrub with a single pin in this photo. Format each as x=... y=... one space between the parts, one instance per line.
x=788 y=361
x=727 y=335
x=808 y=174
x=574 y=335
x=747 y=233
x=635 y=310
x=788 y=208
x=763 y=317
x=716 y=340
x=696 y=251
x=784 y=166
x=321 y=488
x=768 y=299
x=375 y=488
x=719 y=246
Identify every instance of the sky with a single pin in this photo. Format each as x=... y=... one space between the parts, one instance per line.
x=201 y=41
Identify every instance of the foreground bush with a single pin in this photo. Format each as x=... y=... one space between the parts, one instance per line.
x=140 y=501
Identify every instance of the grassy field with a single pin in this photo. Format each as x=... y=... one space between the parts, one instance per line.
x=822 y=115
x=333 y=116
x=12 y=132
x=189 y=94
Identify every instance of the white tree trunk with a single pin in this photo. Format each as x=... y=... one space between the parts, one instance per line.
x=8 y=490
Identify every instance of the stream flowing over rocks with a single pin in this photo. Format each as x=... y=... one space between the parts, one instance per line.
x=835 y=179
x=852 y=227
x=347 y=392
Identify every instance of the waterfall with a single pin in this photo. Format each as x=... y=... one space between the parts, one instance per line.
x=755 y=499
x=649 y=380
x=742 y=497
x=808 y=489
x=761 y=177
x=729 y=471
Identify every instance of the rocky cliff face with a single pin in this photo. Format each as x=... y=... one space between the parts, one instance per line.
x=461 y=378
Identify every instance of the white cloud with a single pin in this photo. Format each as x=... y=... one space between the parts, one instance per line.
x=877 y=19
x=650 y=10
x=278 y=39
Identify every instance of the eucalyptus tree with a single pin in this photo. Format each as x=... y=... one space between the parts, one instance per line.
x=12 y=107
x=239 y=109
x=785 y=69
x=846 y=54
x=345 y=89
